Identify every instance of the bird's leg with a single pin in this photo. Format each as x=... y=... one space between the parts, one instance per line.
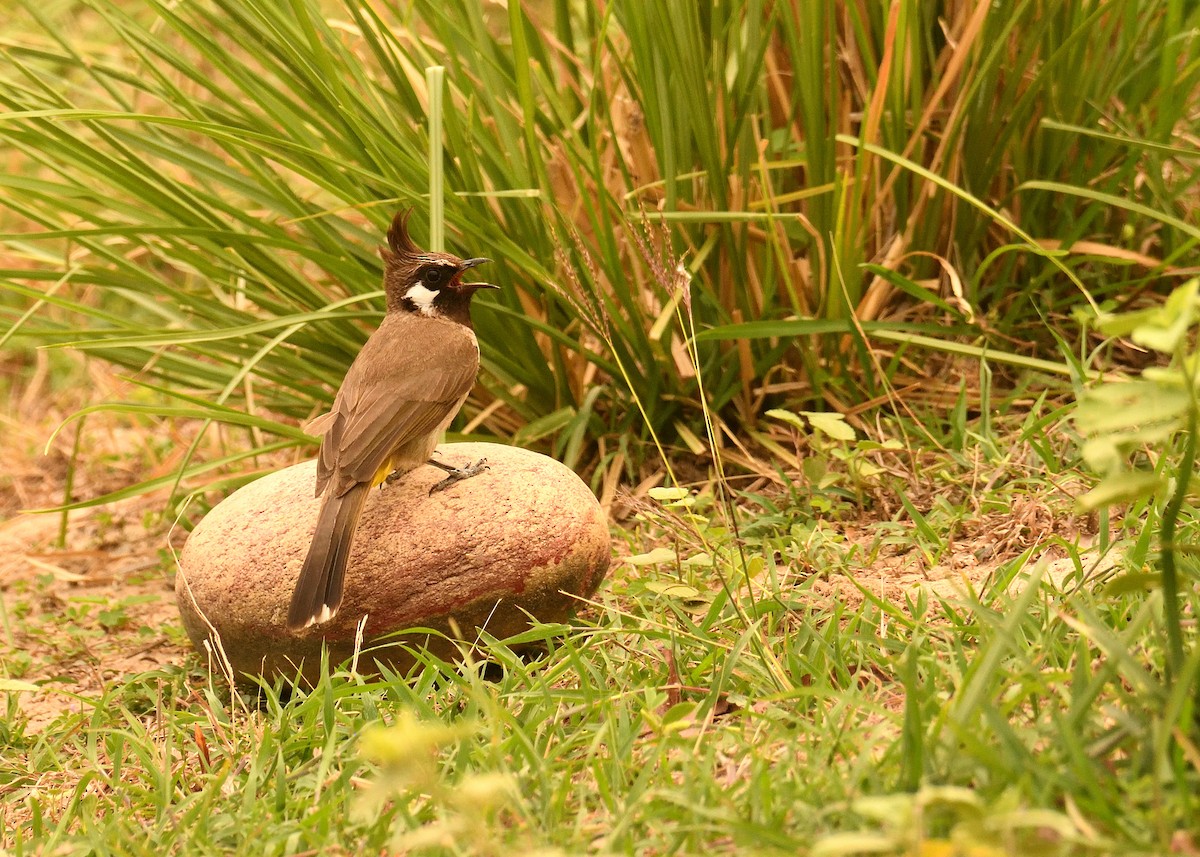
x=456 y=474
x=394 y=475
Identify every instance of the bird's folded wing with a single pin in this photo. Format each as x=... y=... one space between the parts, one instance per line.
x=371 y=420
x=317 y=426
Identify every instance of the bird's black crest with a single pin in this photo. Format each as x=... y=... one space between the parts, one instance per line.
x=398 y=239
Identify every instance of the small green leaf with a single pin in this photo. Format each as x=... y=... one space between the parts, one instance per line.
x=681 y=711
x=833 y=425
x=680 y=714
x=664 y=494
x=1120 y=488
x=887 y=807
x=1134 y=581
x=788 y=417
x=674 y=590
x=890 y=444
x=12 y=685
x=848 y=844
x=956 y=796
x=653 y=557
x=112 y=619
x=863 y=469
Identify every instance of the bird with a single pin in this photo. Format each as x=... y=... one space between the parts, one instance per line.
x=401 y=392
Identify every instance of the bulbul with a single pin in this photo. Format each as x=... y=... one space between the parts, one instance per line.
x=400 y=393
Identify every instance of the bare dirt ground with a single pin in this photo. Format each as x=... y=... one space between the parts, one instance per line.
x=85 y=597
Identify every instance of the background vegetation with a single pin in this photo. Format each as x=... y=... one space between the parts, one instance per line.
x=713 y=223
x=201 y=189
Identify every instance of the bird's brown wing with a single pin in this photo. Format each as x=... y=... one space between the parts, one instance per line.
x=384 y=403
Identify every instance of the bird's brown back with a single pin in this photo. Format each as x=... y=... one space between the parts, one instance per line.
x=408 y=381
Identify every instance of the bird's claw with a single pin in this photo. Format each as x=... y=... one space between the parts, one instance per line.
x=460 y=474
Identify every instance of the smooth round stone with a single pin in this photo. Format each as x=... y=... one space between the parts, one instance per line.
x=522 y=539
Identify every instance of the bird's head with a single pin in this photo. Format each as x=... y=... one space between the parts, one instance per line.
x=427 y=283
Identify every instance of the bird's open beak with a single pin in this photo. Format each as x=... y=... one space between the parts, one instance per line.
x=466 y=265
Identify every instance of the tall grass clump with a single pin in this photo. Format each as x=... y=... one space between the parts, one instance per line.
x=196 y=191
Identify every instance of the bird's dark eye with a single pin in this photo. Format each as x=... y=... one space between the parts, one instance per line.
x=434 y=276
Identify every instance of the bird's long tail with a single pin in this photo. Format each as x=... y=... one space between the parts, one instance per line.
x=318 y=592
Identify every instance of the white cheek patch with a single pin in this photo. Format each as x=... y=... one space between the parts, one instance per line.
x=422 y=297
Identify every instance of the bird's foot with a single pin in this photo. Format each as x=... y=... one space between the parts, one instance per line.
x=457 y=474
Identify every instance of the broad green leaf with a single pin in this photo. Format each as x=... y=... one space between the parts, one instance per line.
x=654 y=557
x=1121 y=488
x=1106 y=452
x=1125 y=323
x=1126 y=406
x=1166 y=329
x=1103 y=454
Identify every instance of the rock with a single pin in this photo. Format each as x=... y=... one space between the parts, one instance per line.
x=518 y=540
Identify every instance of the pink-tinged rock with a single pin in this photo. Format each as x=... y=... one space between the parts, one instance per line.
x=519 y=540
